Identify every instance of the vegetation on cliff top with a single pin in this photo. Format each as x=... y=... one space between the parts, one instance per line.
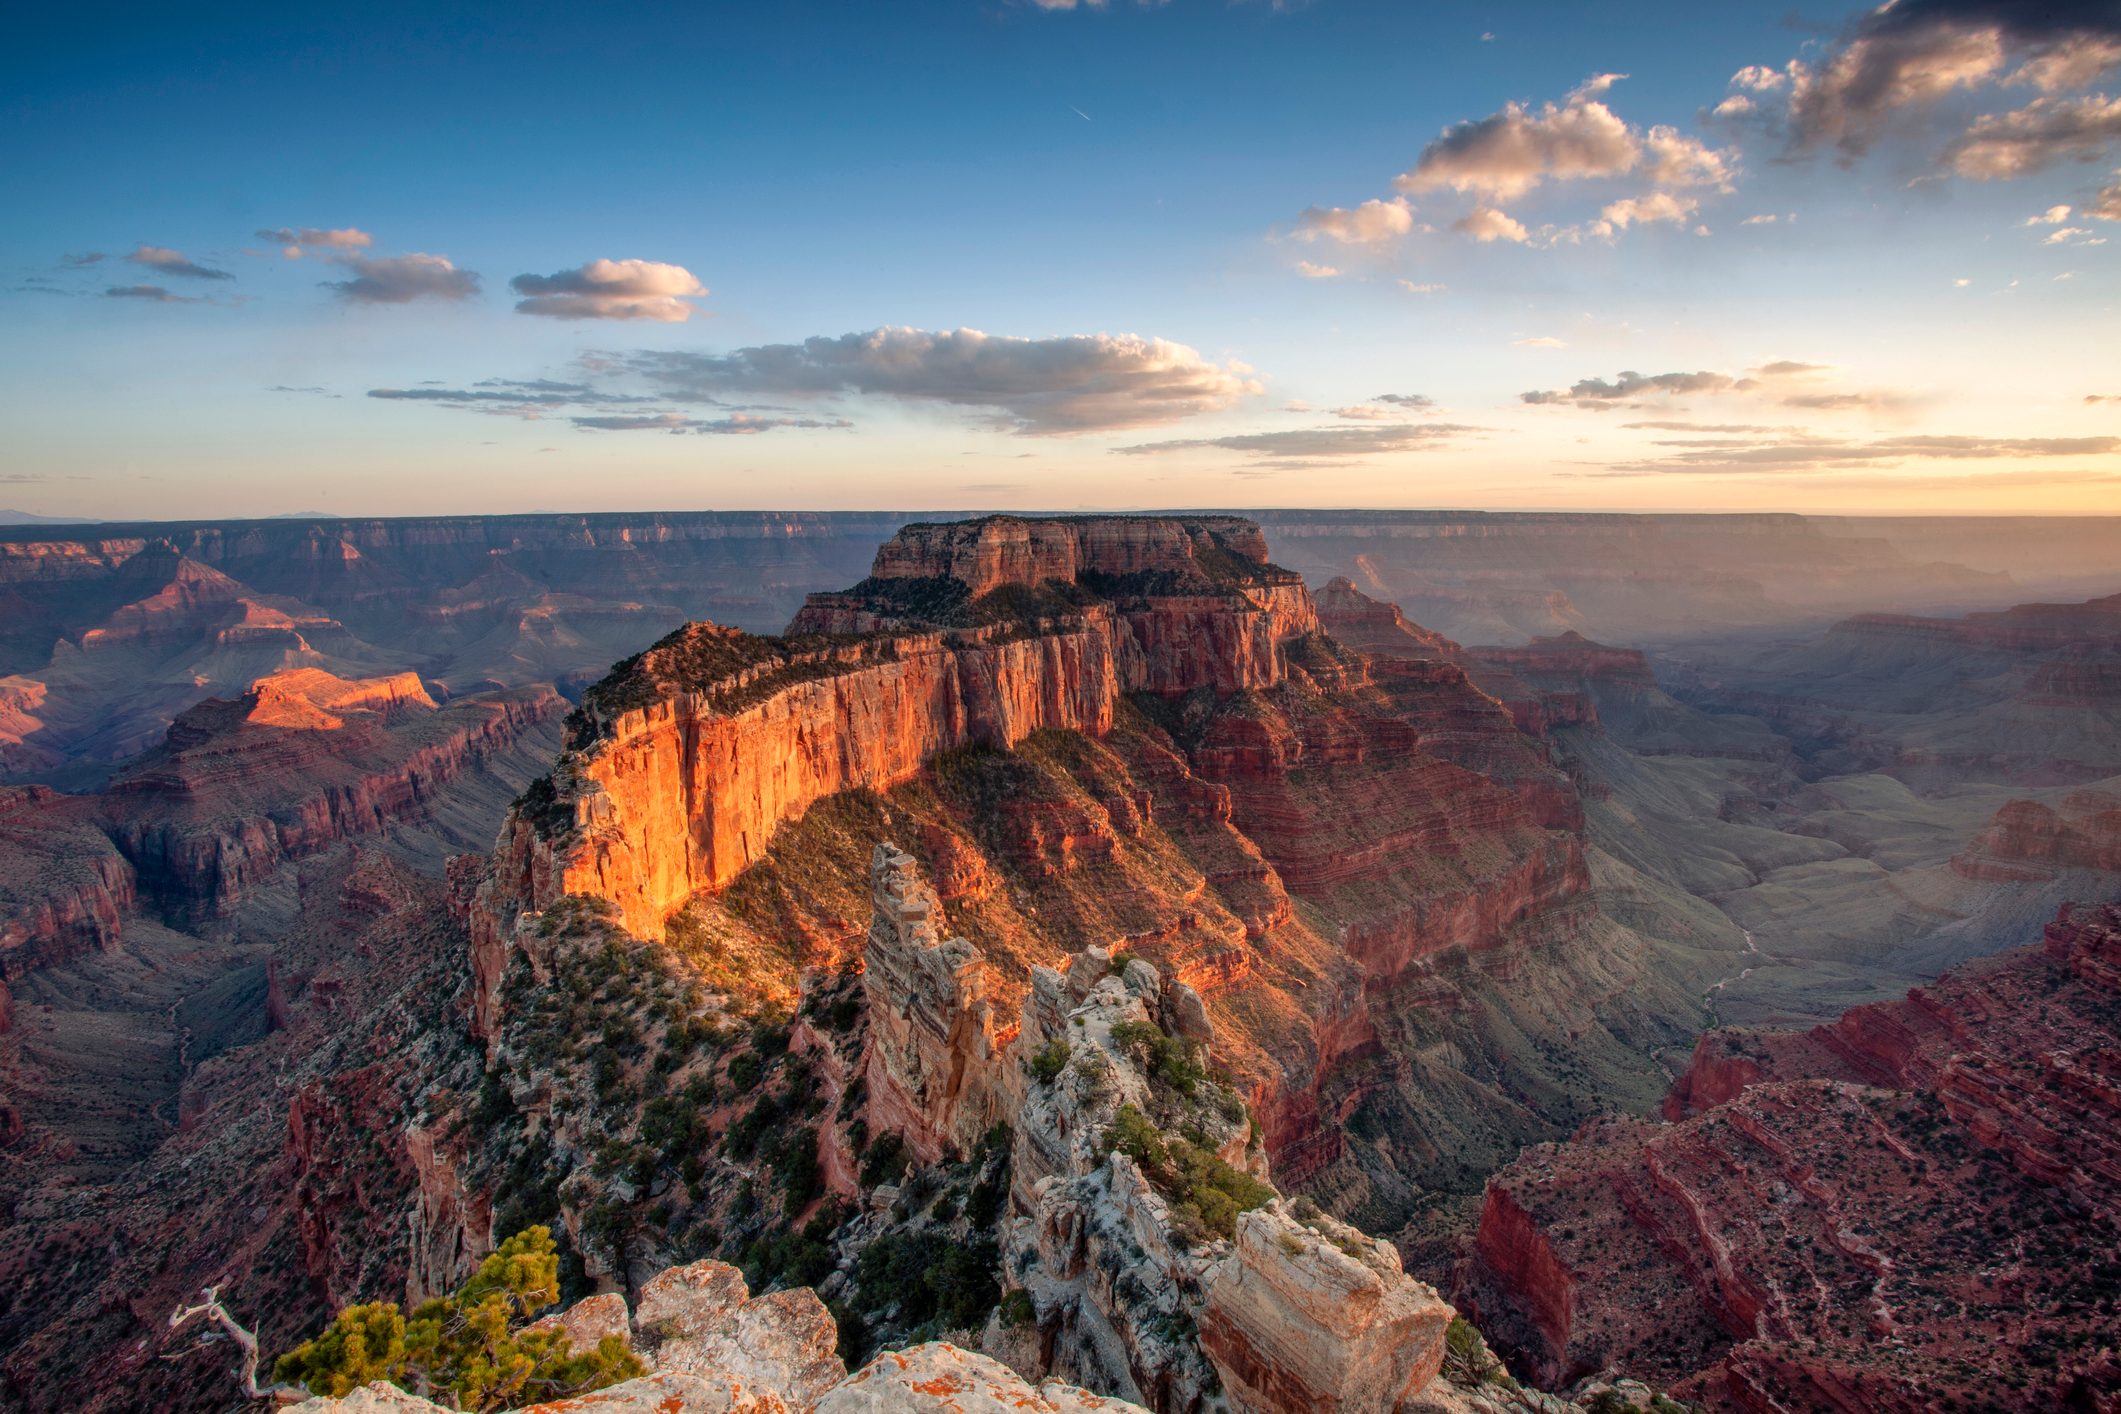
x=469 y=1348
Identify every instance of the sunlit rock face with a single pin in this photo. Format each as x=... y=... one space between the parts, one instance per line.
x=694 y=753
x=1819 y=1226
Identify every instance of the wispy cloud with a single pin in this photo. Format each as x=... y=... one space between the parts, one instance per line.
x=1792 y=451
x=158 y=294
x=1316 y=446
x=1375 y=222
x=1077 y=383
x=294 y=240
x=165 y=261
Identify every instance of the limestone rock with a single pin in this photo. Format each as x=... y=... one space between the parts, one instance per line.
x=761 y=1354
x=1317 y=1316
x=946 y=1380
x=589 y=1320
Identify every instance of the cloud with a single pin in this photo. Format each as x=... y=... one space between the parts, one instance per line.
x=1766 y=219
x=1078 y=383
x=2053 y=216
x=2067 y=234
x=2038 y=136
x=1598 y=392
x=1540 y=341
x=92 y=257
x=1414 y=288
x=2102 y=397
x=293 y=240
x=1759 y=78
x=1315 y=446
x=1508 y=153
x=612 y=289
x=1485 y=223
x=174 y=262
x=1676 y=160
x=401 y=279
x=1366 y=412
x=1785 y=382
x=1704 y=427
x=1911 y=53
x=517 y=397
x=1406 y=400
x=736 y=424
x=1797 y=452
x=1644 y=210
x=155 y=293
x=2106 y=206
x=1317 y=272
x=1375 y=222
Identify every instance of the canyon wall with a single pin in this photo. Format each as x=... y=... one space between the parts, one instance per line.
x=1818 y=1226
x=733 y=735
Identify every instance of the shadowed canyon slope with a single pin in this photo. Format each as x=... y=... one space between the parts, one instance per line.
x=1913 y=1206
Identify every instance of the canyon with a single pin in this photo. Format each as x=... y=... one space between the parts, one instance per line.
x=1909 y=1208
x=1196 y=819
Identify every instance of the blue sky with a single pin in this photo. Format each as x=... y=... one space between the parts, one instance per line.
x=1915 y=328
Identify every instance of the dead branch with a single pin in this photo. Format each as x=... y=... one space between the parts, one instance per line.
x=247 y=1372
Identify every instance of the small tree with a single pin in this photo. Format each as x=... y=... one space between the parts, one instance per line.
x=467 y=1348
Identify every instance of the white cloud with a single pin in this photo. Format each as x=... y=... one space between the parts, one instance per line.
x=1508 y=153
x=1759 y=78
x=1415 y=288
x=1677 y=160
x=1644 y=210
x=612 y=289
x=1312 y=271
x=2053 y=216
x=1485 y=223
x=1734 y=106
x=1764 y=219
x=2106 y=206
x=1374 y=222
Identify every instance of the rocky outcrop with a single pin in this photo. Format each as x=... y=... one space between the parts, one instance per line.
x=1316 y=1315
x=988 y=554
x=301 y=762
x=935 y=1071
x=1127 y=1163
x=64 y=888
x=713 y=1348
x=2030 y=841
x=1820 y=1225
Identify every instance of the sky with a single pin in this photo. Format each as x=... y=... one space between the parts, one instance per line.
x=1030 y=254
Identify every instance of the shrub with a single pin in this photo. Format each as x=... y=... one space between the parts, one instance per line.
x=1017 y=1310
x=1206 y=1193
x=466 y=1348
x=1170 y=1060
x=1049 y=1061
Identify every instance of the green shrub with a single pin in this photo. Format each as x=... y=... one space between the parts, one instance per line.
x=1170 y=1060
x=467 y=1348
x=1049 y=1061
x=1206 y=1192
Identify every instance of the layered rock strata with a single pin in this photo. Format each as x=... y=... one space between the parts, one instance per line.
x=688 y=761
x=1919 y=1199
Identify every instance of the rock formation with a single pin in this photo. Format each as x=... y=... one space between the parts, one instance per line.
x=935 y=1075
x=1316 y=1315
x=2030 y=841
x=713 y=1348
x=1879 y=1214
